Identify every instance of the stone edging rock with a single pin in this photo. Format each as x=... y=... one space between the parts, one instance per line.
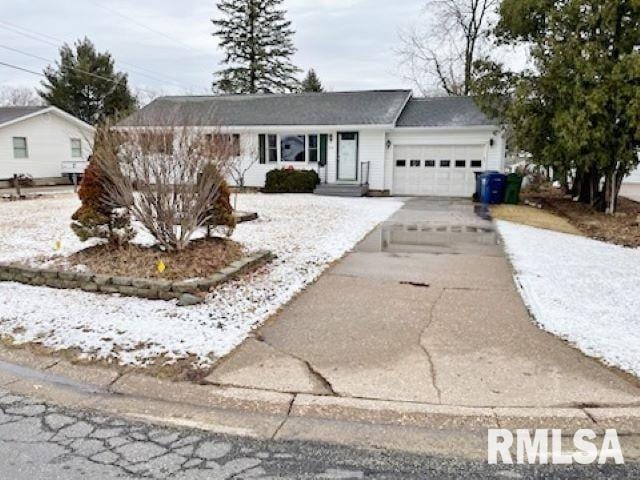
x=129 y=286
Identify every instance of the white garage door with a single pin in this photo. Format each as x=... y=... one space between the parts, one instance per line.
x=437 y=170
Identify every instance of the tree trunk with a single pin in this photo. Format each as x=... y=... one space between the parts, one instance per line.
x=613 y=182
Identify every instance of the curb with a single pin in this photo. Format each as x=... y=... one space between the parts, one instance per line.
x=89 y=386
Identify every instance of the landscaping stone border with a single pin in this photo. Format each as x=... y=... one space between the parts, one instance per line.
x=130 y=286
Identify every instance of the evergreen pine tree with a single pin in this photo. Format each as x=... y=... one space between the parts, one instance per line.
x=258 y=44
x=311 y=82
x=85 y=84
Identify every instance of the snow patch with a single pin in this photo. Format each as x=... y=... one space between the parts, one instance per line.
x=585 y=291
x=305 y=232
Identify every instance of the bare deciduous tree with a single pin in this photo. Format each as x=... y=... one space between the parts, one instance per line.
x=169 y=179
x=440 y=55
x=144 y=96
x=238 y=169
x=19 y=97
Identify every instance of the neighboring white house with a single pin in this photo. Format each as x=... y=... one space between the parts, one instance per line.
x=44 y=142
x=384 y=139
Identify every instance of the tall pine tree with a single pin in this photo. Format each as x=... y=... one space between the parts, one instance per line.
x=85 y=84
x=311 y=82
x=258 y=44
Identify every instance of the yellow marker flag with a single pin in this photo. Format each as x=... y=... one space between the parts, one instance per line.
x=58 y=245
x=160 y=266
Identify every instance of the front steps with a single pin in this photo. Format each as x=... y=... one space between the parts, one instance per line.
x=341 y=190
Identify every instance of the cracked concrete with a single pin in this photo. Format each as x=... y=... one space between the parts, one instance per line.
x=38 y=440
x=464 y=337
x=279 y=371
x=41 y=441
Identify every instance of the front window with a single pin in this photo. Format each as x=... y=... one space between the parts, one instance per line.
x=272 y=144
x=76 y=148
x=313 y=148
x=292 y=148
x=20 y=147
x=223 y=141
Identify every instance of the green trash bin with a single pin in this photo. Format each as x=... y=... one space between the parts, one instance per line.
x=512 y=192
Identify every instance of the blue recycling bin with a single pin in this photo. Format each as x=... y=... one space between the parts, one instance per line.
x=492 y=187
x=478 y=176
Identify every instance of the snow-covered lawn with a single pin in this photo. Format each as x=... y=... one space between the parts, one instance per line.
x=583 y=290
x=306 y=233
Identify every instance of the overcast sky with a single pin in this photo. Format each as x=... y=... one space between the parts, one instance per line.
x=350 y=43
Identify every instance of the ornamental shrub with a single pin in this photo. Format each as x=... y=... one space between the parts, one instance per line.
x=291 y=181
x=96 y=218
x=222 y=211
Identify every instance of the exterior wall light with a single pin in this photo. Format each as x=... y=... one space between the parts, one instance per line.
x=388 y=144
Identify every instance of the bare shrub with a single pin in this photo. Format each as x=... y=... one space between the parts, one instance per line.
x=168 y=178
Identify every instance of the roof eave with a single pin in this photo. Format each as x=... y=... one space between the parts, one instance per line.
x=50 y=109
x=283 y=127
x=448 y=127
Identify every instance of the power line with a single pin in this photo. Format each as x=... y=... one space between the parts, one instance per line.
x=44 y=39
x=91 y=74
x=146 y=27
x=15 y=67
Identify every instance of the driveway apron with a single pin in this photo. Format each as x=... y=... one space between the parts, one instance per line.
x=423 y=310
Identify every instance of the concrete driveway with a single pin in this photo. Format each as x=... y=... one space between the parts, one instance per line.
x=631 y=190
x=424 y=310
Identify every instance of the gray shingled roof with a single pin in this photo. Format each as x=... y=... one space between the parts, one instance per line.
x=442 y=112
x=376 y=107
x=8 y=114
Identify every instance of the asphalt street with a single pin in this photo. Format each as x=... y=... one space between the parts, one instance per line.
x=41 y=441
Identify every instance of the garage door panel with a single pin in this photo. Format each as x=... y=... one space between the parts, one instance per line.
x=434 y=170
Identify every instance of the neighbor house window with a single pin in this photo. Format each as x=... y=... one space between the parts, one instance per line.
x=430 y=163
x=476 y=163
x=445 y=163
x=414 y=163
x=401 y=163
x=76 y=148
x=313 y=148
x=461 y=163
x=292 y=148
x=268 y=145
x=20 y=147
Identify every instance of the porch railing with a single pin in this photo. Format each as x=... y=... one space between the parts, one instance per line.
x=364 y=173
x=73 y=166
x=323 y=173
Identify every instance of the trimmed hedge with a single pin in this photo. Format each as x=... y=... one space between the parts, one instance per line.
x=291 y=181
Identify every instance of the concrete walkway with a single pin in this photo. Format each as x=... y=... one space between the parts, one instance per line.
x=424 y=310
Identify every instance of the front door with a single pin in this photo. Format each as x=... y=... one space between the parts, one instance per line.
x=347 y=156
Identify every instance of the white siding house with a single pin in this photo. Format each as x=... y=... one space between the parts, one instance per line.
x=382 y=141
x=43 y=142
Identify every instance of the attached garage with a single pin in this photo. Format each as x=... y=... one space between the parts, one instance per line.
x=439 y=170
x=438 y=145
